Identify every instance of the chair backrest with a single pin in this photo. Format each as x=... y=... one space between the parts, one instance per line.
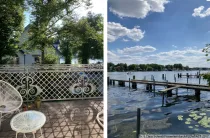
x=10 y=98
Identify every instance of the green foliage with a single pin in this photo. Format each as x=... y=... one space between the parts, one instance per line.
x=50 y=56
x=83 y=37
x=50 y=59
x=11 y=20
x=45 y=15
x=207 y=77
x=144 y=67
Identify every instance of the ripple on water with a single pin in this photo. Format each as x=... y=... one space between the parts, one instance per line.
x=161 y=120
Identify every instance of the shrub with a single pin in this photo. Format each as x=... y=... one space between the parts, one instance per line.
x=207 y=77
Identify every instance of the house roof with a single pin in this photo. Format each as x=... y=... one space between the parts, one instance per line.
x=24 y=37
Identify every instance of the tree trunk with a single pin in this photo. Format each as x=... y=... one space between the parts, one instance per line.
x=42 y=56
x=1 y=62
x=67 y=60
x=85 y=61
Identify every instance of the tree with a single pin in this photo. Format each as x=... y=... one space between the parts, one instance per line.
x=88 y=32
x=11 y=20
x=110 y=66
x=45 y=15
x=132 y=67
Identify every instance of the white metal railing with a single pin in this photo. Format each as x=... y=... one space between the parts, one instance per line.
x=55 y=82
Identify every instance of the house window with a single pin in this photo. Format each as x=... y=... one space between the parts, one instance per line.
x=36 y=59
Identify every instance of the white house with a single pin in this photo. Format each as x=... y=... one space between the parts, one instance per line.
x=32 y=57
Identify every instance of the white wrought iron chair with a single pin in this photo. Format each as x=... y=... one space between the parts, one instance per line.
x=10 y=100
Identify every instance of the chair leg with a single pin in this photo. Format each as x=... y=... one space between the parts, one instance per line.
x=0 y=120
x=33 y=134
x=41 y=133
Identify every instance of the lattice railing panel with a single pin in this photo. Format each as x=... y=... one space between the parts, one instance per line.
x=55 y=82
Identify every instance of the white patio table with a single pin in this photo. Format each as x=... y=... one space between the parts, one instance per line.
x=28 y=122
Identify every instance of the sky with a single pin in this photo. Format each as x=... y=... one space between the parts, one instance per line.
x=158 y=31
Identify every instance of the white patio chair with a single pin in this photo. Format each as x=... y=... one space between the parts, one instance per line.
x=10 y=100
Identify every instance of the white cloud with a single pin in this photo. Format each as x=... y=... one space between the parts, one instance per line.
x=116 y=30
x=174 y=46
x=136 y=8
x=125 y=40
x=136 y=50
x=190 y=56
x=96 y=7
x=201 y=12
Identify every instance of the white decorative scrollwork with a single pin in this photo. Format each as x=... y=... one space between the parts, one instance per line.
x=27 y=87
x=83 y=85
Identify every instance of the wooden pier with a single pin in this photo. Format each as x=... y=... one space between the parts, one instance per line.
x=150 y=85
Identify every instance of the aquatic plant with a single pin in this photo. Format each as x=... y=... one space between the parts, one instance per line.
x=204 y=122
x=187 y=122
x=201 y=118
x=202 y=113
x=190 y=126
x=180 y=117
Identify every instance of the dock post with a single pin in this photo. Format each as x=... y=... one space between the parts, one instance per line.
x=199 y=79
x=199 y=75
x=113 y=82
x=180 y=75
x=163 y=98
x=187 y=75
x=134 y=84
x=197 y=95
x=121 y=83
x=154 y=86
x=129 y=83
x=174 y=78
x=147 y=87
x=187 y=79
x=163 y=76
x=169 y=92
x=138 y=122
x=108 y=81
x=176 y=91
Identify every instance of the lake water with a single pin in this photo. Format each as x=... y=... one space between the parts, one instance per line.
x=182 y=115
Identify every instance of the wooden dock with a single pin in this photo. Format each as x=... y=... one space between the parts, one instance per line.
x=163 y=83
x=150 y=86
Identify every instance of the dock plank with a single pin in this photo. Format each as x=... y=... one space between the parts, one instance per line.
x=172 y=84
x=165 y=90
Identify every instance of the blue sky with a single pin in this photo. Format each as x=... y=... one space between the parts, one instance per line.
x=158 y=31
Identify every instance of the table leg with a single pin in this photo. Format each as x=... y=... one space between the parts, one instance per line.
x=16 y=134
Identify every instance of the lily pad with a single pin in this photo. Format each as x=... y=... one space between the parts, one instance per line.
x=187 y=122
x=190 y=126
x=203 y=114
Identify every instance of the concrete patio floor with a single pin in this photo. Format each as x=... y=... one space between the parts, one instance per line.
x=65 y=119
